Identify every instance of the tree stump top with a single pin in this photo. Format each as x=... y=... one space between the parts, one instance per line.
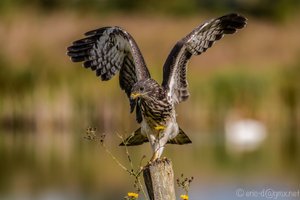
x=159 y=180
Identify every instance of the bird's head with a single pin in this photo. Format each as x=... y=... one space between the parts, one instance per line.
x=144 y=89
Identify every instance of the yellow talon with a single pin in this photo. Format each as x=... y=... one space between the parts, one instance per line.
x=159 y=127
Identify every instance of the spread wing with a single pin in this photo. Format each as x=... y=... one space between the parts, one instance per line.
x=108 y=50
x=195 y=43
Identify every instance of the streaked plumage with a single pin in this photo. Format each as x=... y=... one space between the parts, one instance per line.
x=110 y=50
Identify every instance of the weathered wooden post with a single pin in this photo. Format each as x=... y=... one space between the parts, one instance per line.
x=159 y=180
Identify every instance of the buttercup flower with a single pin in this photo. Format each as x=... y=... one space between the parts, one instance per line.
x=132 y=195
x=184 y=197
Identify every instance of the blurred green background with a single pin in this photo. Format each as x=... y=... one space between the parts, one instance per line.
x=243 y=115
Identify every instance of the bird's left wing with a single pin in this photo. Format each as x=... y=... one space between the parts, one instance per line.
x=108 y=50
x=195 y=43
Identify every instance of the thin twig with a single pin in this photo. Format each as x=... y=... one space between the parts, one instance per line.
x=115 y=159
x=92 y=136
x=137 y=173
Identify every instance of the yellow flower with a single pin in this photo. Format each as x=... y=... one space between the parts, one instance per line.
x=184 y=197
x=133 y=195
x=159 y=127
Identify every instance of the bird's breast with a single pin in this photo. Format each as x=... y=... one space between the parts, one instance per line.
x=157 y=112
x=156 y=133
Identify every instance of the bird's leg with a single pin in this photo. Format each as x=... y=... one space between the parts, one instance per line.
x=157 y=146
x=157 y=152
x=155 y=156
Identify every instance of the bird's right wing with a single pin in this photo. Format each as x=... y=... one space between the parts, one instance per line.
x=195 y=43
x=109 y=50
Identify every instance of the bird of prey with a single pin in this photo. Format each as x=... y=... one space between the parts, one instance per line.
x=109 y=50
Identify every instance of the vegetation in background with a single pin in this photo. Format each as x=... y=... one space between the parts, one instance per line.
x=271 y=9
x=46 y=101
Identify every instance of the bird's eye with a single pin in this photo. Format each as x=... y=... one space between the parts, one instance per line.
x=141 y=89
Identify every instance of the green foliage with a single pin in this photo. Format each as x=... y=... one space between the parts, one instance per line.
x=235 y=88
x=272 y=9
x=18 y=81
x=277 y=10
x=290 y=87
x=289 y=92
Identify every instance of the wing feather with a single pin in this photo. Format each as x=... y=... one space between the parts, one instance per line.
x=195 y=43
x=110 y=50
x=107 y=50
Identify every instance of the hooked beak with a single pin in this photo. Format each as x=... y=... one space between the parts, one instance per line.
x=135 y=95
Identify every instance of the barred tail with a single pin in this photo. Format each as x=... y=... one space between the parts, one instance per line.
x=180 y=139
x=135 y=139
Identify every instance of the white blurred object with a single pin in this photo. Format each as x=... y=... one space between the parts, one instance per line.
x=244 y=135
